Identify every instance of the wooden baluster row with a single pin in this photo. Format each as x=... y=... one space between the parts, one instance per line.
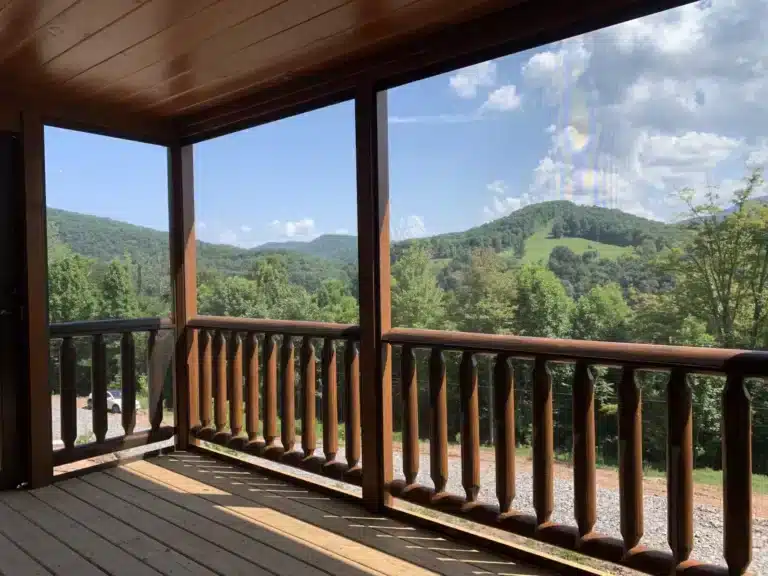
x=308 y=416
x=287 y=396
x=270 y=390
x=128 y=373
x=410 y=394
x=438 y=413
x=504 y=410
x=99 y=386
x=543 y=452
x=470 y=427
x=352 y=390
x=330 y=401
x=737 y=474
x=252 y=386
x=68 y=357
x=584 y=481
x=630 y=459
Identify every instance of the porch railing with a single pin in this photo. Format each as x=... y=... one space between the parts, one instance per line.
x=680 y=362
x=262 y=353
x=234 y=350
x=158 y=360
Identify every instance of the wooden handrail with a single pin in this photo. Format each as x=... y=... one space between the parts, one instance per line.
x=748 y=363
x=287 y=327
x=92 y=327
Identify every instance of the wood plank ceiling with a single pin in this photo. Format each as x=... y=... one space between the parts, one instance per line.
x=166 y=58
x=150 y=68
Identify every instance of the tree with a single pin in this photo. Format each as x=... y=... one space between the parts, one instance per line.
x=724 y=265
x=417 y=301
x=70 y=291
x=233 y=296
x=558 y=229
x=543 y=307
x=602 y=314
x=118 y=296
x=484 y=302
x=334 y=304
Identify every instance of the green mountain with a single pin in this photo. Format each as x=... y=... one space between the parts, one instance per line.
x=529 y=233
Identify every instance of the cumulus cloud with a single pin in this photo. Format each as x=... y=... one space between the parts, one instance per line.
x=503 y=99
x=294 y=229
x=648 y=107
x=245 y=229
x=502 y=202
x=466 y=81
x=411 y=226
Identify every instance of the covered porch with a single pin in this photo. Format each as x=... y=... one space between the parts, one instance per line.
x=177 y=73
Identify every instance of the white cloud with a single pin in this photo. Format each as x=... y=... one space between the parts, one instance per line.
x=466 y=81
x=228 y=237
x=555 y=70
x=201 y=225
x=503 y=99
x=299 y=228
x=411 y=226
x=436 y=119
x=648 y=107
x=502 y=203
x=245 y=229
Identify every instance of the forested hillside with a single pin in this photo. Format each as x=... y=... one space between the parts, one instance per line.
x=627 y=279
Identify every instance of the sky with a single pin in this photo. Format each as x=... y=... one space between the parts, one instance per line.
x=624 y=117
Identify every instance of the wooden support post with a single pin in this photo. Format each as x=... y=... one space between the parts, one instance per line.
x=373 y=264
x=40 y=443
x=181 y=211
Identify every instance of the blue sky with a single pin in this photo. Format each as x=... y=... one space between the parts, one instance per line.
x=623 y=117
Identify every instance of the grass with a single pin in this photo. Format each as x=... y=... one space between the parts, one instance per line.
x=540 y=245
x=705 y=476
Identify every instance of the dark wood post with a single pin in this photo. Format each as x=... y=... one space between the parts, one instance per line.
x=584 y=482
x=543 y=452
x=504 y=399
x=470 y=427
x=410 y=398
x=270 y=390
x=206 y=378
x=630 y=459
x=99 y=387
x=679 y=465
x=330 y=401
x=438 y=420
x=67 y=377
x=39 y=446
x=374 y=270
x=352 y=403
x=128 y=373
x=181 y=213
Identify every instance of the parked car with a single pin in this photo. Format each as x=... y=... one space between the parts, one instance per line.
x=114 y=401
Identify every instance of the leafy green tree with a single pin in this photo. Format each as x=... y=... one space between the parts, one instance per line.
x=484 y=302
x=602 y=314
x=233 y=296
x=335 y=305
x=543 y=307
x=71 y=294
x=417 y=301
x=118 y=295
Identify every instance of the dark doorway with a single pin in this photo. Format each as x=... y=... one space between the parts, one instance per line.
x=12 y=337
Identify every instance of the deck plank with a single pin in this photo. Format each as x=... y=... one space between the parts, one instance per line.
x=15 y=562
x=321 y=547
x=152 y=552
x=85 y=542
x=43 y=547
x=227 y=539
x=180 y=540
x=442 y=555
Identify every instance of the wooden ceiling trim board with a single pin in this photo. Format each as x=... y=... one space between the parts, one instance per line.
x=406 y=12
x=68 y=29
x=271 y=49
x=225 y=44
x=172 y=42
x=20 y=19
x=138 y=26
x=492 y=36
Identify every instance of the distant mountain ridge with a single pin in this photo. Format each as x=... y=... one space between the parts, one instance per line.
x=104 y=238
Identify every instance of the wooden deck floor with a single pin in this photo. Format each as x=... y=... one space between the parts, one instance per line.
x=187 y=513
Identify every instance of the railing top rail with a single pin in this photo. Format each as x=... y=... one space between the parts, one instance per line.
x=291 y=327
x=748 y=363
x=89 y=327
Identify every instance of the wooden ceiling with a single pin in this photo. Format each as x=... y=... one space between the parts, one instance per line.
x=151 y=64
